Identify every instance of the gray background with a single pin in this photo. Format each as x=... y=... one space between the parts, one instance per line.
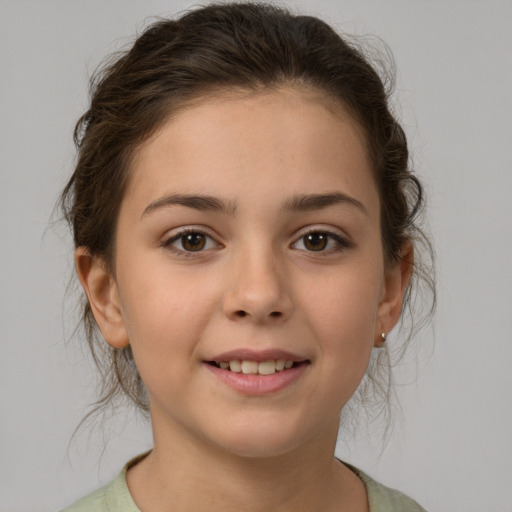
x=452 y=450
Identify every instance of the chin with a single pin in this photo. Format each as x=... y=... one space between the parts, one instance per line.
x=259 y=440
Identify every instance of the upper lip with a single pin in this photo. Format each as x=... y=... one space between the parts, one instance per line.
x=257 y=355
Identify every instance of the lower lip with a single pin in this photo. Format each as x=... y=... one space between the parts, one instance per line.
x=252 y=384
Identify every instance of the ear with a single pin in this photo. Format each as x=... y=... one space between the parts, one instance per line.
x=102 y=293
x=397 y=277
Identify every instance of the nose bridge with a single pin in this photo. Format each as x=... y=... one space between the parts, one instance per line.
x=258 y=287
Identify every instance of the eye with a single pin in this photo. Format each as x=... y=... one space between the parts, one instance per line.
x=321 y=241
x=190 y=241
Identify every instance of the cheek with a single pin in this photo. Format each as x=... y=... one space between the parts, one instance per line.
x=342 y=314
x=165 y=314
x=345 y=329
x=346 y=305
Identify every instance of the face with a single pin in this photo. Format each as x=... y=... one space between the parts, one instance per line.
x=248 y=240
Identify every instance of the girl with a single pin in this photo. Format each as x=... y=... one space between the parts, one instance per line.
x=244 y=223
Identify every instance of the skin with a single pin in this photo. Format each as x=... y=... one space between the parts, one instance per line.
x=255 y=285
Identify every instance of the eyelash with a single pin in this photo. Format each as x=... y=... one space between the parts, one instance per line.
x=341 y=242
x=168 y=243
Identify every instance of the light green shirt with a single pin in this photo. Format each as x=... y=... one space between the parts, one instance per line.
x=115 y=496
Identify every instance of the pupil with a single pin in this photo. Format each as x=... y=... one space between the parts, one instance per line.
x=193 y=242
x=316 y=241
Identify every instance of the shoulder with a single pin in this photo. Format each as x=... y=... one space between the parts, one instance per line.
x=113 y=497
x=95 y=501
x=385 y=499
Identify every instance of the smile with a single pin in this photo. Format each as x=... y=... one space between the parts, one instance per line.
x=249 y=367
x=257 y=378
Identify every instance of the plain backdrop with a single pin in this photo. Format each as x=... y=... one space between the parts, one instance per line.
x=452 y=450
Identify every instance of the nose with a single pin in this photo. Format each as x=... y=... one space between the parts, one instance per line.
x=258 y=290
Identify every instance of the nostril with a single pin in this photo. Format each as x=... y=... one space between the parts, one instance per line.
x=241 y=313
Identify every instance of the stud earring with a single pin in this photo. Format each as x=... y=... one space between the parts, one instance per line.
x=380 y=341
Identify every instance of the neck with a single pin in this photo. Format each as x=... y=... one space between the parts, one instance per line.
x=191 y=476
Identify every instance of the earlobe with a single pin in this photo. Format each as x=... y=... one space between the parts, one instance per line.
x=102 y=293
x=397 y=278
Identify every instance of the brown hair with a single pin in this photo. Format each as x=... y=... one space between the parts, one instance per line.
x=222 y=47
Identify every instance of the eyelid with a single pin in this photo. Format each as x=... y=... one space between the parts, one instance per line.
x=341 y=239
x=177 y=233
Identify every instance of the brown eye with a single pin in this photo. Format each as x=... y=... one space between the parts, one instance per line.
x=189 y=241
x=193 y=242
x=316 y=241
x=322 y=242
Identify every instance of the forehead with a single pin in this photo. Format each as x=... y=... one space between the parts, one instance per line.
x=295 y=138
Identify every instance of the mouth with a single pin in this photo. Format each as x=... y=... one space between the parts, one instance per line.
x=258 y=373
x=251 y=367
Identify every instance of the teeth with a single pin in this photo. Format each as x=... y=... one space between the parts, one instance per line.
x=249 y=367
x=255 y=368
x=235 y=366
x=280 y=364
x=267 y=368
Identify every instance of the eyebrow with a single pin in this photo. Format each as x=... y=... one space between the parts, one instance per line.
x=309 y=202
x=296 y=203
x=198 y=202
